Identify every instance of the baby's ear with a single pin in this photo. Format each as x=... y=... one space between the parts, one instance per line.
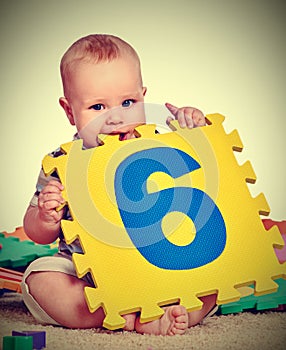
x=66 y=106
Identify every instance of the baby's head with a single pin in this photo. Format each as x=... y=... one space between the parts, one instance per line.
x=103 y=90
x=95 y=49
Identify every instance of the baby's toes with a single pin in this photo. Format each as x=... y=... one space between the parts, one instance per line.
x=178 y=328
x=182 y=319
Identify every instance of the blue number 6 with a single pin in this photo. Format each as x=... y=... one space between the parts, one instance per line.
x=142 y=212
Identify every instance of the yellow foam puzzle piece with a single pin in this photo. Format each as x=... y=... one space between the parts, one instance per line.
x=118 y=252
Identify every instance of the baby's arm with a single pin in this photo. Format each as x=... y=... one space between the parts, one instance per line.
x=42 y=222
x=186 y=116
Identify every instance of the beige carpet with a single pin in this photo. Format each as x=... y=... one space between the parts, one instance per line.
x=264 y=330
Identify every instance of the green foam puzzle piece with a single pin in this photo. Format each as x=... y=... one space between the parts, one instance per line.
x=17 y=343
x=16 y=253
x=263 y=302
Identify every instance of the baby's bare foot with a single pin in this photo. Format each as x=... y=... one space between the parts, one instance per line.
x=174 y=321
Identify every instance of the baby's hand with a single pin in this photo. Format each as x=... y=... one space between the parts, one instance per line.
x=186 y=116
x=49 y=199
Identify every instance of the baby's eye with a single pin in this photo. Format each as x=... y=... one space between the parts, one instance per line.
x=97 y=107
x=128 y=103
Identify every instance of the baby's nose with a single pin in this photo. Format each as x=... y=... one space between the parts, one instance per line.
x=114 y=117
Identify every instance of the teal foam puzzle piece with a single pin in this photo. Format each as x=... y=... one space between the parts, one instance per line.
x=259 y=303
x=16 y=253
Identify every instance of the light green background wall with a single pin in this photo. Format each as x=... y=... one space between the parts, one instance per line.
x=220 y=56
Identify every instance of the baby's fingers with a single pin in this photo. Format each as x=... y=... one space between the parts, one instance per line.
x=53 y=186
x=177 y=113
x=184 y=119
x=50 y=200
x=198 y=118
x=173 y=109
x=51 y=197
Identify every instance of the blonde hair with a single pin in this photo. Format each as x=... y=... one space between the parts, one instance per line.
x=95 y=48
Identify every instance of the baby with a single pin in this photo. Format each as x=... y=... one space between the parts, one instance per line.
x=103 y=94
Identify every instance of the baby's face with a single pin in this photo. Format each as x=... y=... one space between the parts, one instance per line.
x=106 y=98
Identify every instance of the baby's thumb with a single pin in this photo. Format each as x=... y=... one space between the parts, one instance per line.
x=168 y=120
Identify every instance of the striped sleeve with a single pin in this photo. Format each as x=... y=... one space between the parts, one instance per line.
x=41 y=183
x=43 y=180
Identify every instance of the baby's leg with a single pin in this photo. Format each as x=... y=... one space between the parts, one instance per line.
x=54 y=295
x=174 y=321
x=197 y=316
x=61 y=296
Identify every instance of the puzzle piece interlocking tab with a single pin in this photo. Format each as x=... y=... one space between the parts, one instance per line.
x=166 y=218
